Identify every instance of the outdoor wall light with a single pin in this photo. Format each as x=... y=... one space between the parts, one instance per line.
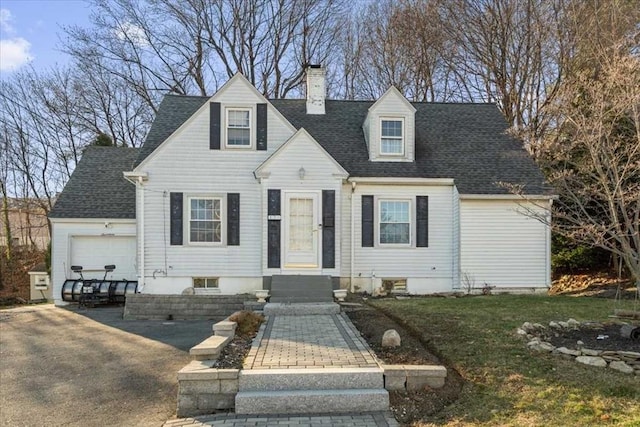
x=301 y=172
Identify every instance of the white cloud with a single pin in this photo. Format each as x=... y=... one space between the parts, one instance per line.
x=132 y=32
x=14 y=53
x=5 y=21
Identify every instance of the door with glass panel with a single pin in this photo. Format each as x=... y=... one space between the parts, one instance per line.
x=301 y=230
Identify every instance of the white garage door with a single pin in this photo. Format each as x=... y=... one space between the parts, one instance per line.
x=94 y=252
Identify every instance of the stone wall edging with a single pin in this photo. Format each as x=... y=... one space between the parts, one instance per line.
x=413 y=377
x=627 y=362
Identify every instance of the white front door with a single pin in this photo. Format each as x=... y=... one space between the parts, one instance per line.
x=301 y=230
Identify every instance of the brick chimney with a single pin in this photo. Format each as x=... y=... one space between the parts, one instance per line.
x=315 y=89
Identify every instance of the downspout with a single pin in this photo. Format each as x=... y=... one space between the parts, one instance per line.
x=353 y=236
x=141 y=223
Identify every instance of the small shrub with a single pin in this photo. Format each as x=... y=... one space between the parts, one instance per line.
x=248 y=322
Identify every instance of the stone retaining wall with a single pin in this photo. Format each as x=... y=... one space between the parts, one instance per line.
x=183 y=307
x=413 y=377
x=204 y=390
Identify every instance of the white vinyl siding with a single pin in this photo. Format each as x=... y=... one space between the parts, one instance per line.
x=320 y=174
x=502 y=247
x=427 y=269
x=391 y=107
x=186 y=164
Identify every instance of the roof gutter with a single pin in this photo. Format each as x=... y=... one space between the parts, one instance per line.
x=402 y=181
x=508 y=197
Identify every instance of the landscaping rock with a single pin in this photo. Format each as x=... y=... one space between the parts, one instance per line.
x=564 y=325
x=391 y=338
x=565 y=350
x=621 y=367
x=554 y=325
x=521 y=332
x=573 y=323
x=592 y=361
x=541 y=346
x=590 y=352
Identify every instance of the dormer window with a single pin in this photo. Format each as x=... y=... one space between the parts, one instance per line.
x=392 y=136
x=238 y=128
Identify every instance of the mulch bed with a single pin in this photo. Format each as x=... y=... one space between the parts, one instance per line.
x=407 y=406
x=233 y=354
x=589 y=336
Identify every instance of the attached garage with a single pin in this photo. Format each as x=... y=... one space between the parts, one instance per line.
x=94 y=252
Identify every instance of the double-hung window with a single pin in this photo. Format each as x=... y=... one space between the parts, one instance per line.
x=395 y=222
x=205 y=220
x=392 y=136
x=238 y=127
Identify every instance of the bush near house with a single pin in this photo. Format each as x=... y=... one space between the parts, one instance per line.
x=506 y=384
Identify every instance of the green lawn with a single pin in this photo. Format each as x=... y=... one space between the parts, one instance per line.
x=506 y=384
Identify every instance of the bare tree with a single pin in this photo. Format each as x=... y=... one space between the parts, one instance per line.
x=509 y=52
x=594 y=157
x=159 y=46
x=43 y=133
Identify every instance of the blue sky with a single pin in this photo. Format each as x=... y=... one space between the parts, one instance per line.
x=29 y=31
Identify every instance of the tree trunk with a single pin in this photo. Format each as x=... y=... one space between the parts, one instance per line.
x=5 y=217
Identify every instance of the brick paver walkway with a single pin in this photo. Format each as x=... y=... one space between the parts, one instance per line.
x=376 y=419
x=307 y=341
x=313 y=341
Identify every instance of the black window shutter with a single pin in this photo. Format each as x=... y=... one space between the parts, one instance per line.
x=176 y=212
x=422 y=221
x=328 y=229
x=367 y=221
x=214 y=126
x=273 y=229
x=261 y=130
x=233 y=219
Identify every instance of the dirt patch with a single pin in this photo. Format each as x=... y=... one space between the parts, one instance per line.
x=407 y=406
x=234 y=353
x=595 y=337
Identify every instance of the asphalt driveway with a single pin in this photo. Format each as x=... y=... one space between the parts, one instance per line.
x=89 y=367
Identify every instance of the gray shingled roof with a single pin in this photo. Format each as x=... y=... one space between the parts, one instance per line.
x=467 y=142
x=97 y=188
x=173 y=111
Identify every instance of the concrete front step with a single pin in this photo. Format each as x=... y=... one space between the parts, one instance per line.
x=312 y=401
x=299 y=309
x=300 y=288
x=311 y=379
x=289 y=299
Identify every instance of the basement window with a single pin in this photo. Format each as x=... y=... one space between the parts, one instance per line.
x=205 y=283
x=394 y=285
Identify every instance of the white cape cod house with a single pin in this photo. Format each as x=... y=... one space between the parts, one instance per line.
x=233 y=189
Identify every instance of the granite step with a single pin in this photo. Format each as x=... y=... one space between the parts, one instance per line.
x=311 y=379
x=298 y=309
x=312 y=401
